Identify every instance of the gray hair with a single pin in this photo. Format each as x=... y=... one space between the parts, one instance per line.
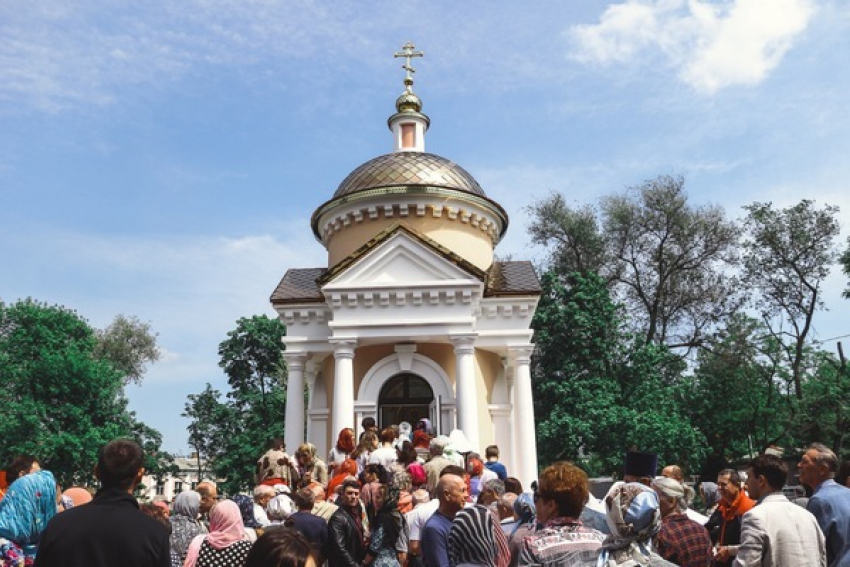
x=263 y=490
x=438 y=445
x=825 y=457
x=496 y=486
x=672 y=488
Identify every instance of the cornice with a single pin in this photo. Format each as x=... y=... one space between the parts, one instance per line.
x=364 y=206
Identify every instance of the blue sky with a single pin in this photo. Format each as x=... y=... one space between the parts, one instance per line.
x=163 y=159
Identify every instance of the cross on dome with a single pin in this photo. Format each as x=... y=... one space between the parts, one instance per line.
x=408 y=51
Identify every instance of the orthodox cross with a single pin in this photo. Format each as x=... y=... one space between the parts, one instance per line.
x=408 y=52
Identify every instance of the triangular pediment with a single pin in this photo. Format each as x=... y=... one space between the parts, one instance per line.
x=404 y=259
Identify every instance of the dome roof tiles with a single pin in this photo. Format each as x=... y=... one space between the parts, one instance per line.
x=409 y=168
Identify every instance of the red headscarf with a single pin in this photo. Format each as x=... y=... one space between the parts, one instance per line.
x=347 y=469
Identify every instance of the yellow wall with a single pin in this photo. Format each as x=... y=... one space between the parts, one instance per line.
x=465 y=240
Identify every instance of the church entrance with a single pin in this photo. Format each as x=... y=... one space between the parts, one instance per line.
x=404 y=397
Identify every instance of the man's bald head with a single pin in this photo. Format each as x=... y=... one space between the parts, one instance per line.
x=451 y=491
x=674 y=472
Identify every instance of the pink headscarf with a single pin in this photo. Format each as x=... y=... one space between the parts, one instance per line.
x=226 y=528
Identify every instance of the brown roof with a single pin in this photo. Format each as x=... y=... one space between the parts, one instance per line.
x=301 y=285
x=512 y=278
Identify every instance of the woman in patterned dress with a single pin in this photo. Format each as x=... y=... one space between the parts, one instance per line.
x=225 y=545
x=388 y=544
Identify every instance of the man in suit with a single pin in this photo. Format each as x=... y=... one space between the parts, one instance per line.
x=110 y=530
x=777 y=532
x=830 y=502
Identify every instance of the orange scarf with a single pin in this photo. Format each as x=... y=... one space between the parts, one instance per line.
x=729 y=512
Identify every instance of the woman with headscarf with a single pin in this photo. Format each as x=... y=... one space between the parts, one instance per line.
x=279 y=509
x=342 y=450
x=348 y=469
x=388 y=531
x=225 y=544
x=680 y=539
x=474 y=539
x=310 y=466
x=30 y=503
x=710 y=497
x=405 y=431
x=246 y=509
x=634 y=517
x=526 y=517
x=184 y=524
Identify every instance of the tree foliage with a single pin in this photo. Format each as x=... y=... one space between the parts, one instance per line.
x=64 y=399
x=664 y=258
x=129 y=345
x=232 y=433
x=740 y=397
x=788 y=255
x=598 y=391
x=844 y=261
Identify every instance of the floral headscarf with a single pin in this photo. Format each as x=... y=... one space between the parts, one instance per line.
x=634 y=517
x=28 y=505
x=246 y=508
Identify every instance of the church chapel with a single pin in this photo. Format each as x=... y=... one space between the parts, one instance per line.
x=412 y=317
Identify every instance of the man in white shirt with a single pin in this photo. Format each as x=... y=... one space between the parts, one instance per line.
x=777 y=532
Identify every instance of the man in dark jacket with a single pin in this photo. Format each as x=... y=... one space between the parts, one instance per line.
x=314 y=528
x=346 y=547
x=109 y=531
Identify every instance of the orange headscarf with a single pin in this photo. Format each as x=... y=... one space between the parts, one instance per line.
x=347 y=469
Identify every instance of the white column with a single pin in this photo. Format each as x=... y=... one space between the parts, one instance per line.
x=342 y=410
x=526 y=440
x=294 y=433
x=467 y=403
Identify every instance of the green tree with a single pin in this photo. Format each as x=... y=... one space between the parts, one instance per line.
x=665 y=259
x=598 y=391
x=826 y=402
x=253 y=412
x=741 y=393
x=844 y=261
x=63 y=401
x=788 y=255
x=207 y=414
x=129 y=345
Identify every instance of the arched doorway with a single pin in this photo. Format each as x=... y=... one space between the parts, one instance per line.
x=404 y=397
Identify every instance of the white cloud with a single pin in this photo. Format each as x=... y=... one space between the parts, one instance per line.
x=712 y=45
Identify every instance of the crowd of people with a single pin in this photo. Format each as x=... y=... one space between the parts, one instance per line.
x=404 y=497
